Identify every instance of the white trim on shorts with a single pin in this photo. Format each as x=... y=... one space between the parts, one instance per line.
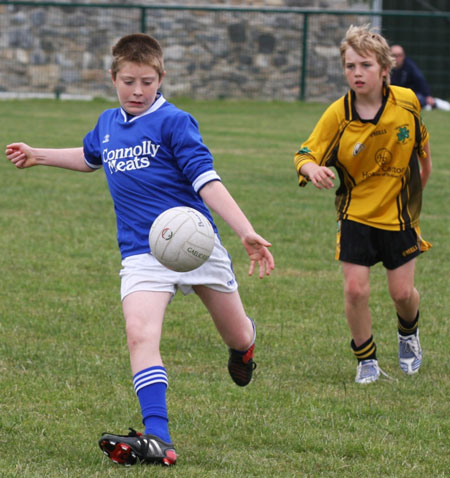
x=142 y=272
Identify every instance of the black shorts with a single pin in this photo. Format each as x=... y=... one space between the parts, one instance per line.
x=366 y=245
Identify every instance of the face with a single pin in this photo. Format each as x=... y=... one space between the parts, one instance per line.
x=399 y=55
x=364 y=74
x=137 y=86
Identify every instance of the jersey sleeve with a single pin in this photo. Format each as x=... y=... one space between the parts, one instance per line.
x=407 y=99
x=92 y=149
x=320 y=145
x=424 y=136
x=424 y=140
x=192 y=155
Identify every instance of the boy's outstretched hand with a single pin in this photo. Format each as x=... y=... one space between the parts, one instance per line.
x=257 y=249
x=21 y=155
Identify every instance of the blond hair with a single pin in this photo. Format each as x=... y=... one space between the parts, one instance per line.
x=137 y=48
x=365 y=40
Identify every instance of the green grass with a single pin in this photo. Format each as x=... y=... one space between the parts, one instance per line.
x=64 y=370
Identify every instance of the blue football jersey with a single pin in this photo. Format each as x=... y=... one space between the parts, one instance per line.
x=152 y=162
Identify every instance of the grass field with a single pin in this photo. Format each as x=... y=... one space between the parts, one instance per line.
x=64 y=367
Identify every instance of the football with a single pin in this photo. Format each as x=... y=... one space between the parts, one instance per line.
x=181 y=238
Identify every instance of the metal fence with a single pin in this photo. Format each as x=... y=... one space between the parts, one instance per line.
x=55 y=48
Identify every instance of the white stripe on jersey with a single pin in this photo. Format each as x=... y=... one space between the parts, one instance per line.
x=92 y=166
x=205 y=178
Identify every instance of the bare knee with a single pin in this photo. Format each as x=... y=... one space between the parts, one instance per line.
x=356 y=292
x=402 y=296
x=132 y=328
x=141 y=333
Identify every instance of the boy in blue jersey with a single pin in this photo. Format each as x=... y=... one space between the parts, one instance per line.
x=154 y=159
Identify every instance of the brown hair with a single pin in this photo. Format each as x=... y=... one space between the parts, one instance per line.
x=364 y=40
x=137 y=48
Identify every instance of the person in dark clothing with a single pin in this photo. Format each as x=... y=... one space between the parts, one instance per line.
x=407 y=74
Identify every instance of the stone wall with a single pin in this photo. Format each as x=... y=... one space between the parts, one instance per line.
x=208 y=53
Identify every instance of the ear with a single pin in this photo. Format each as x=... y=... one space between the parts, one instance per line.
x=161 y=78
x=113 y=78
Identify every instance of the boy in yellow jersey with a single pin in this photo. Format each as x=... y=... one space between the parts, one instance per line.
x=375 y=139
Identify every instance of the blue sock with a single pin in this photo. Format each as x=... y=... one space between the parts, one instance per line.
x=150 y=386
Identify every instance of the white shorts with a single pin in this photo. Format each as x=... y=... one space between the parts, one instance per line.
x=143 y=272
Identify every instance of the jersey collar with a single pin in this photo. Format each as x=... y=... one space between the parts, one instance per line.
x=160 y=100
x=350 y=112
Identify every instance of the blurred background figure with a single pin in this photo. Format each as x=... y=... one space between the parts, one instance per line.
x=407 y=74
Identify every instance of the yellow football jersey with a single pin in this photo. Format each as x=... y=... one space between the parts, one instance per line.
x=377 y=160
